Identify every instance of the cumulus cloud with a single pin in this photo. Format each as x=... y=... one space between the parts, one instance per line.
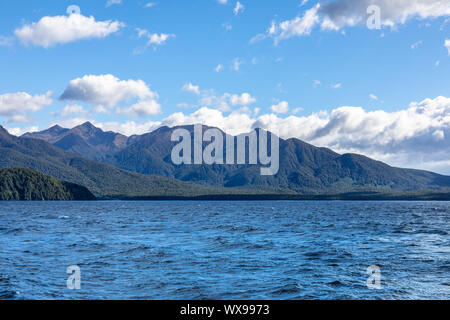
x=106 y=90
x=239 y=8
x=416 y=44
x=317 y=83
x=109 y=3
x=72 y=109
x=447 y=45
x=18 y=105
x=244 y=99
x=143 y=108
x=236 y=65
x=50 y=31
x=282 y=107
x=158 y=39
x=336 y=86
x=209 y=98
x=234 y=123
x=189 y=87
x=297 y=110
x=336 y=15
x=153 y=39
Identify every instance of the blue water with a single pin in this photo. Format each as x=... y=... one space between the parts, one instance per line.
x=225 y=250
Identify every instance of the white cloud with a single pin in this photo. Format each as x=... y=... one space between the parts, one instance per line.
x=296 y=27
x=72 y=109
x=239 y=8
x=20 y=103
x=317 y=83
x=244 y=99
x=153 y=39
x=447 y=45
x=108 y=91
x=416 y=44
x=158 y=39
x=143 y=108
x=189 y=87
x=222 y=1
x=236 y=65
x=336 y=15
x=282 y=107
x=19 y=118
x=337 y=86
x=209 y=98
x=259 y=37
x=50 y=31
x=113 y=2
x=234 y=123
x=297 y=110
x=373 y=97
x=150 y=4
x=218 y=68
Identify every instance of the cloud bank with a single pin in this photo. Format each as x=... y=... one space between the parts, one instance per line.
x=336 y=15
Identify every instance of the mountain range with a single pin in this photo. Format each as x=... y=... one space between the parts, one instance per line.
x=101 y=179
x=304 y=169
x=86 y=140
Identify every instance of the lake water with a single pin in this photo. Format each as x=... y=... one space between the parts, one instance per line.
x=225 y=250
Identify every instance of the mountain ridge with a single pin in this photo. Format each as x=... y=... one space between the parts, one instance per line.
x=304 y=168
x=101 y=179
x=85 y=139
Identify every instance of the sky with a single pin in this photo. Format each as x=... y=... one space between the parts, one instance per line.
x=362 y=76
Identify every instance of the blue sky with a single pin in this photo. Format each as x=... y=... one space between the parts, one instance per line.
x=297 y=76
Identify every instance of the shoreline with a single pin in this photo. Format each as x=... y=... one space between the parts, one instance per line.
x=278 y=197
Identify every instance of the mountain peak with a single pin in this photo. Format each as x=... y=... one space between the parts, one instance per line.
x=86 y=128
x=88 y=125
x=56 y=127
